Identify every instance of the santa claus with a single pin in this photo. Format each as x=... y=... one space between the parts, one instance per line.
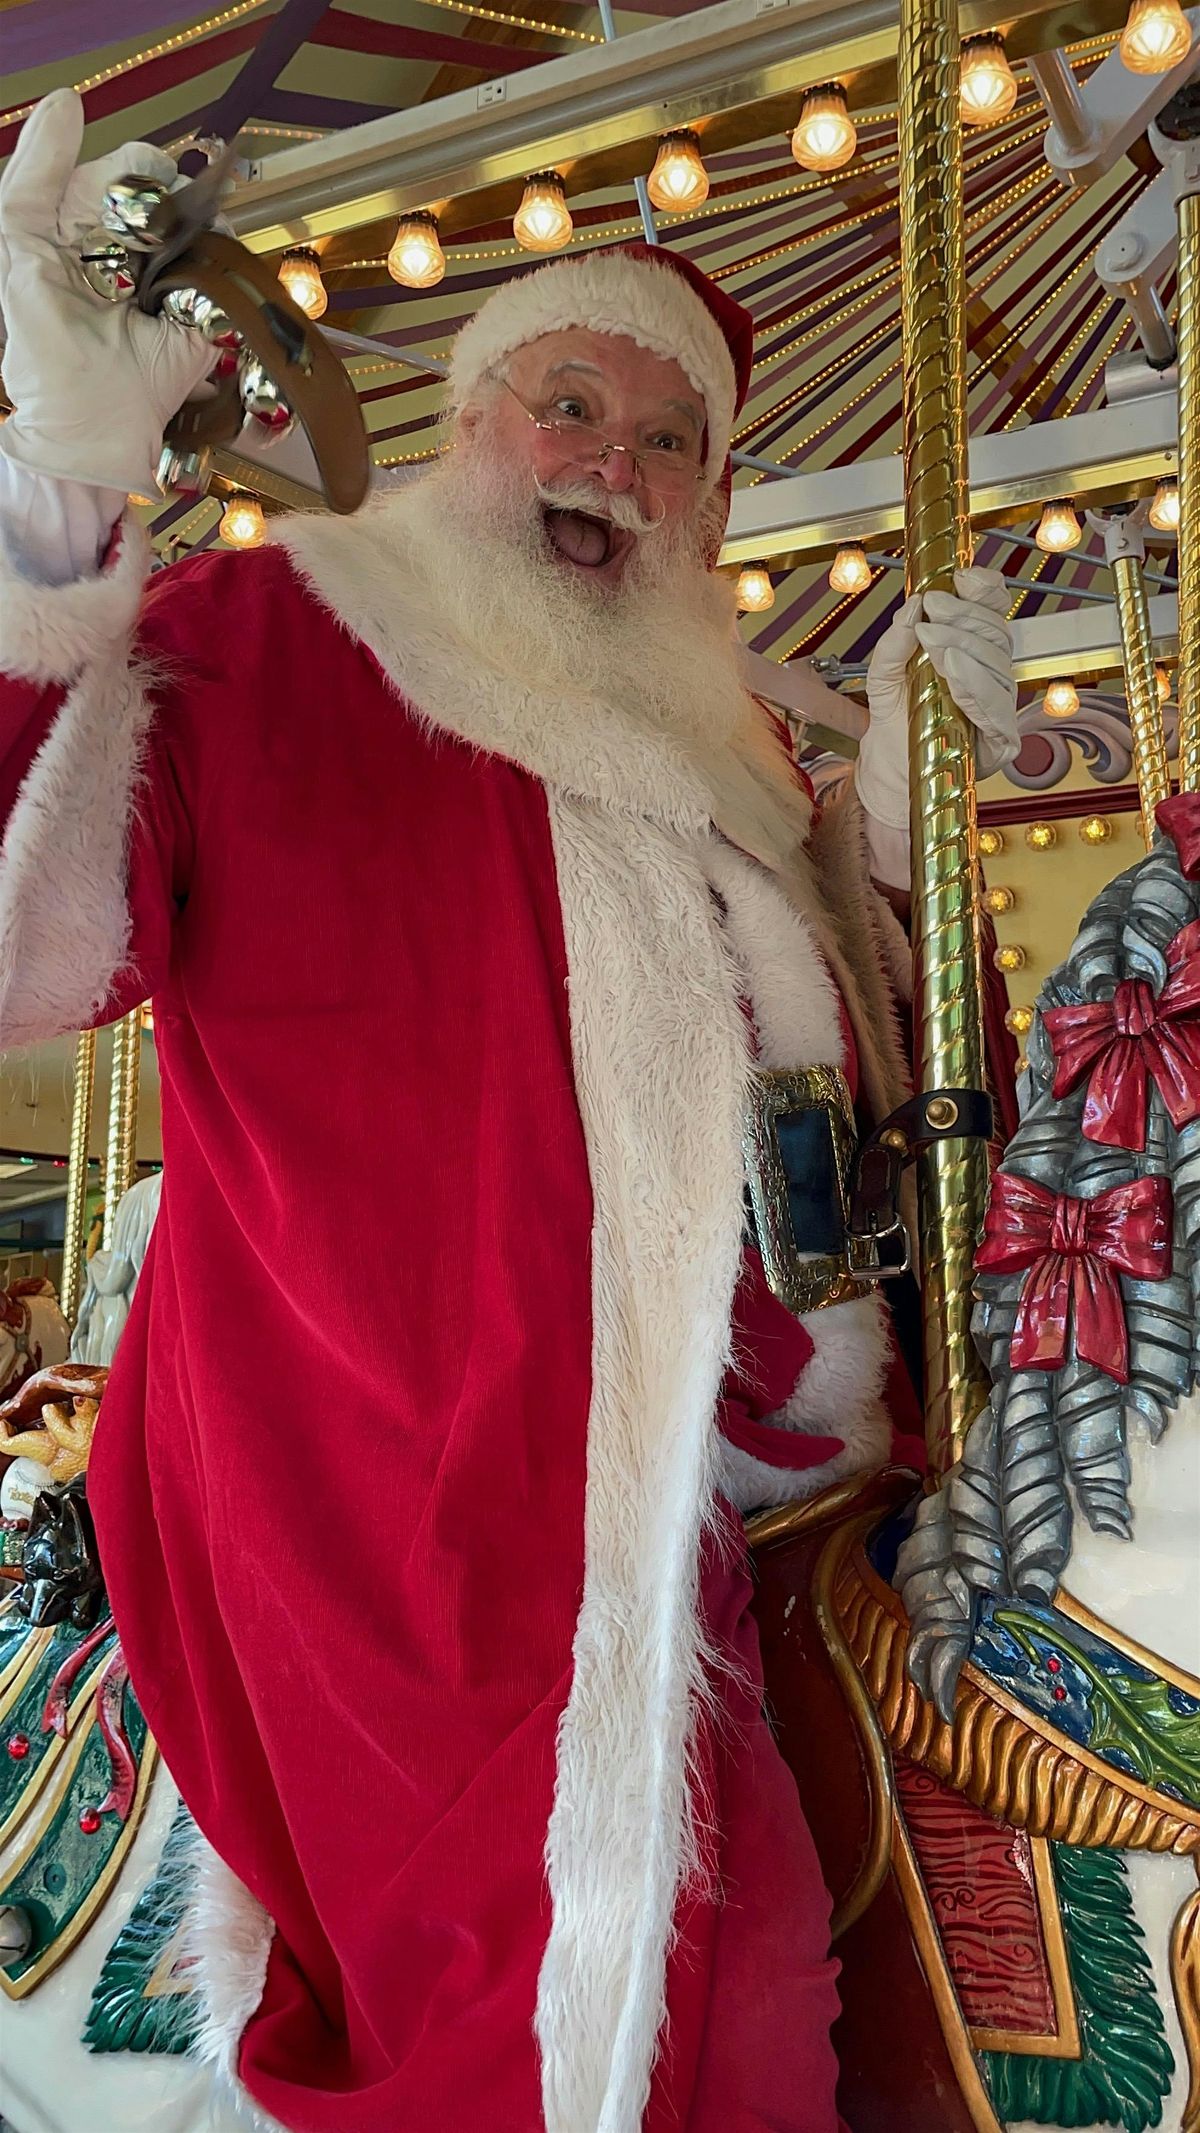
x=478 y=902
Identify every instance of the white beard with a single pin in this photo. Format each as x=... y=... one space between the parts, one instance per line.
x=661 y=647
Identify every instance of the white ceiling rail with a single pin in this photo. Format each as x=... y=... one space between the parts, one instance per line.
x=1108 y=454
x=1087 y=640
x=1130 y=260
x=1091 y=130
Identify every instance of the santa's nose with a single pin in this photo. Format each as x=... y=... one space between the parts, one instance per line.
x=617 y=469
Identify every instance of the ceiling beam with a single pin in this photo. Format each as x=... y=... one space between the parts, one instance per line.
x=734 y=71
x=1106 y=456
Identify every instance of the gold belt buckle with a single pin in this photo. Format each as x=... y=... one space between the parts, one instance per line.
x=802 y=1280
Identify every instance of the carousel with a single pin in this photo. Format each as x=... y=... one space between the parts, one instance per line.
x=970 y=244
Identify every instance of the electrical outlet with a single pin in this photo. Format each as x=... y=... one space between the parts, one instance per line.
x=491 y=92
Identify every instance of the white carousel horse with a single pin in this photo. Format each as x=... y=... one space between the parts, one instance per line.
x=112 y=1274
x=1078 y=1492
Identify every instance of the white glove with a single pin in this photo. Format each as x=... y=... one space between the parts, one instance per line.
x=93 y=384
x=969 y=643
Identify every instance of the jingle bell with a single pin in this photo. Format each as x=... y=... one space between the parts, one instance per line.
x=216 y=325
x=16 y=1933
x=180 y=305
x=107 y=267
x=262 y=399
x=129 y=204
x=186 y=472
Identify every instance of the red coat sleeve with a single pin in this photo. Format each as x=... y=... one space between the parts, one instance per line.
x=116 y=711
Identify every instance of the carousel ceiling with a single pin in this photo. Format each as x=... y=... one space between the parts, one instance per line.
x=329 y=106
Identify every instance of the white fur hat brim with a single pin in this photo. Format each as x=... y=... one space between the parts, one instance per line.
x=606 y=293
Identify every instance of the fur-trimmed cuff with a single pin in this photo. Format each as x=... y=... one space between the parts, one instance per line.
x=226 y=1939
x=837 y=1395
x=49 y=633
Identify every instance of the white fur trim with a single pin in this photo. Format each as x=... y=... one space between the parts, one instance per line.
x=64 y=917
x=660 y=1068
x=226 y=1935
x=794 y=999
x=836 y=1395
x=49 y=633
x=643 y=299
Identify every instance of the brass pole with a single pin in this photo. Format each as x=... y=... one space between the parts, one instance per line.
x=952 y=1176
x=1188 y=359
x=122 y=1115
x=74 y=1232
x=1141 y=688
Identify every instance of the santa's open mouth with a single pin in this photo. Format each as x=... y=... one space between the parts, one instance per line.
x=584 y=538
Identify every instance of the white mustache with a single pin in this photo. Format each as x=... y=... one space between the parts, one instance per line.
x=598 y=502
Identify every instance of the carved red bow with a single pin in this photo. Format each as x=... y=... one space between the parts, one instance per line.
x=1074 y=1250
x=1180 y=818
x=1129 y=1036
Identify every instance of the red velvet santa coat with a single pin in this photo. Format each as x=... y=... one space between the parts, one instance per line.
x=407 y=1472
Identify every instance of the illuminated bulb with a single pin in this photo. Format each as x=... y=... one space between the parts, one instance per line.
x=1041 y=836
x=1009 y=957
x=543 y=222
x=998 y=901
x=1058 y=528
x=1163 y=683
x=678 y=179
x=825 y=137
x=987 y=84
x=991 y=843
x=850 y=571
x=416 y=259
x=1019 y=1020
x=1061 y=700
x=1164 y=511
x=755 y=592
x=300 y=273
x=1156 y=36
x=1095 y=829
x=242 y=522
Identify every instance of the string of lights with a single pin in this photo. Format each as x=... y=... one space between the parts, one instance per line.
x=193 y=35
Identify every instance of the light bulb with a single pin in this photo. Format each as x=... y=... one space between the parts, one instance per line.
x=1163 y=683
x=1164 y=511
x=850 y=571
x=1019 y=1020
x=242 y=522
x=1041 y=836
x=1010 y=957
x=991 y=843
x=1058 y=528
x=755 y=592
x=416 y=259
x=678 y=179
x=825 y=137
x=998 y=901
x=987 y=84
x=543 y=222
x=1095 y=829
x=1061 y=699
x=300 y=273
x=1156 y=36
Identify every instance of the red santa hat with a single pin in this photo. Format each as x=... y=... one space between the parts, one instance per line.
x=653 y=296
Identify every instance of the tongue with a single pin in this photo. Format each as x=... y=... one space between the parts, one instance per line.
x=581 y=539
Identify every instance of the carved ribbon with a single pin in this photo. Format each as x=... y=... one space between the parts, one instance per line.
x=1179 y=817
x=1124 y=1039
x=1074 y=1250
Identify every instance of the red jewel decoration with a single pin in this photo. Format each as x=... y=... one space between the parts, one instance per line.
x=89 y=1821
x=1055 y=1665
x=18 y=1746
x=1060 y=1694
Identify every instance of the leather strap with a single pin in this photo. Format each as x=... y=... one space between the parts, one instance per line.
x=875 y=1220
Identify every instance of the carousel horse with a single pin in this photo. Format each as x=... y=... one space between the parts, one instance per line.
x=33 y=1332
x=1006 y=1672
x=112 y=1274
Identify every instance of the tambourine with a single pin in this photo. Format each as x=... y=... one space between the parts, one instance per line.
x=273 y=368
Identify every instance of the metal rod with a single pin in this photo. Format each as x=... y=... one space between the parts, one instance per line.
x=1059 y=91
x=952 y=1175
x=649 y=226
x=1188 y=325
x=1141 y=686
x=75 y=1228
x=121 y=1162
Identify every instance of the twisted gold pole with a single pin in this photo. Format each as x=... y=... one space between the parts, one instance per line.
x=1188 y=359
x=1141 y=687
x=952 y=1176
x=122 y=1115
x=75 y=1230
